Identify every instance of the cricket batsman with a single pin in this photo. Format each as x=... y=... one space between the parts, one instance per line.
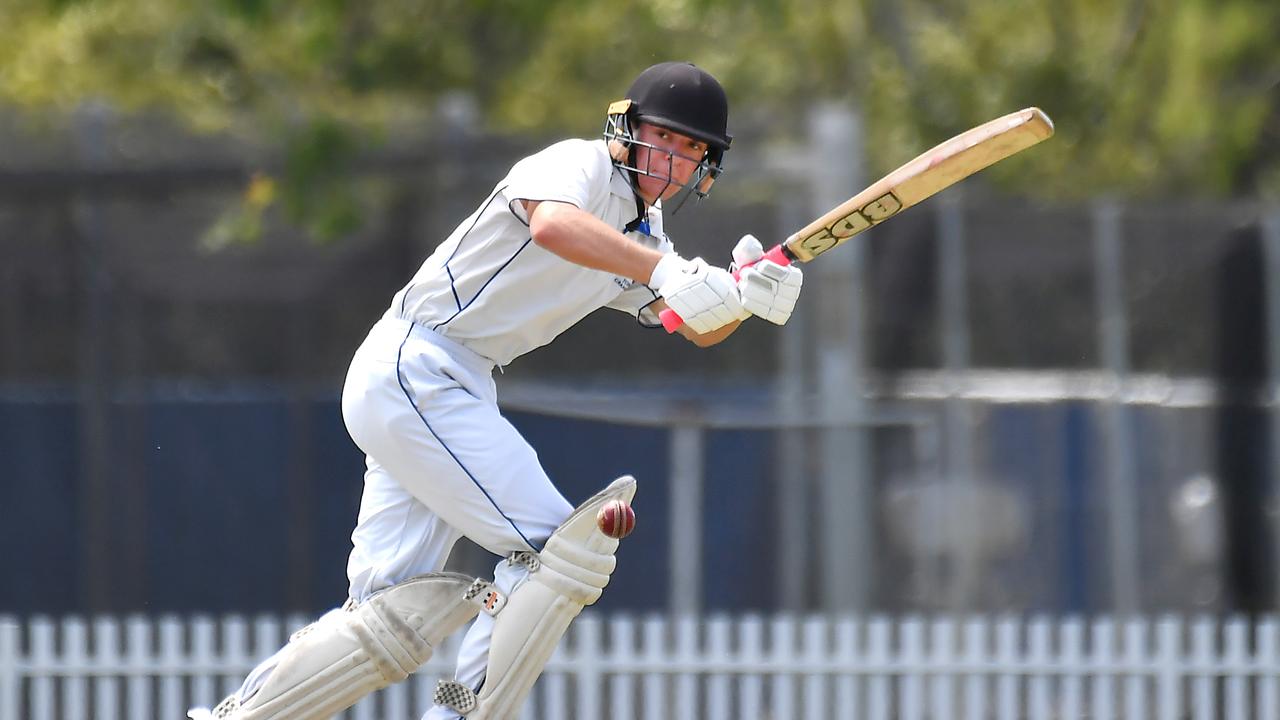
x=572 y=228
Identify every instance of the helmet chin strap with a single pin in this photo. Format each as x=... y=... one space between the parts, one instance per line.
x=698 y=186
x=679 y=199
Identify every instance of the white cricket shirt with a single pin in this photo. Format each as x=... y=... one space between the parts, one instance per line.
x=492 y=289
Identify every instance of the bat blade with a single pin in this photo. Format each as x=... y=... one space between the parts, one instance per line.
x=928 y=174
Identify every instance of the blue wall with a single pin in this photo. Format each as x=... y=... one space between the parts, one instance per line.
x=246 y=503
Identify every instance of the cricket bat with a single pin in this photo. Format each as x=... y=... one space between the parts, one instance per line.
x=930 y=173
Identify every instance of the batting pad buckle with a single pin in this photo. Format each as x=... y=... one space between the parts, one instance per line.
x=486 y=596
x=226 y=708
x=455 y=696
x=529 y=560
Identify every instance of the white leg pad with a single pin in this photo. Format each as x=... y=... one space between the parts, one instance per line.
x=353 y=651
x=570 y=573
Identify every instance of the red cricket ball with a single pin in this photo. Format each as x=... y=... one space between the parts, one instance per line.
x=616 y=519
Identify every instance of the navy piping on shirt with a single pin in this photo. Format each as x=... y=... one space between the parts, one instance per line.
x=457 y=247
x=448 y=320
x=454 y=288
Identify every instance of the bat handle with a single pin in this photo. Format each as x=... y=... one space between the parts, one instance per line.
x=777 y=253
x=671 y=320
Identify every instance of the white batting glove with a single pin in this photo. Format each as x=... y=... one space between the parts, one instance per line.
x=705 y=297
x=747 y=251
x=767 y=290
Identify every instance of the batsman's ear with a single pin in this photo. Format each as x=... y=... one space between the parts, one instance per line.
x=618 y=151
x=714 y=157
x=704 y=185
x=618 y=128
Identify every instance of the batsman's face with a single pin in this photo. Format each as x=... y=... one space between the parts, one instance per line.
x=669 y=164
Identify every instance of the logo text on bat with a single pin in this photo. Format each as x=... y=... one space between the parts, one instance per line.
x=876 y=211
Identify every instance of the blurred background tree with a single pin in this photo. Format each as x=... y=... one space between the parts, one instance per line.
x=1151 y=97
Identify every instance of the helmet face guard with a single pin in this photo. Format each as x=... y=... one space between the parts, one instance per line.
x=680 y=97
x=619 y=130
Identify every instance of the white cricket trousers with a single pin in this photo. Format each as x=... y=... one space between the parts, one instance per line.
x=441 y=463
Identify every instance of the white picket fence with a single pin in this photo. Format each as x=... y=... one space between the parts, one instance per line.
x=746 y=668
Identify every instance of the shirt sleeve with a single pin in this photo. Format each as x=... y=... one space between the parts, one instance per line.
x=571 y=171
x=637 y=300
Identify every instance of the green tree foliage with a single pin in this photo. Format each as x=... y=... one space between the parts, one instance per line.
x=1150 y=96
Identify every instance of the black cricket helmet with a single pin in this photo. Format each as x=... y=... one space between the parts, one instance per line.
x=678 y=96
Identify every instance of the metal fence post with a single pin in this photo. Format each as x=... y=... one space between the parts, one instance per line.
x=953 y=312
x=99 y=550
x=685 y=553
x=1118 y=462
